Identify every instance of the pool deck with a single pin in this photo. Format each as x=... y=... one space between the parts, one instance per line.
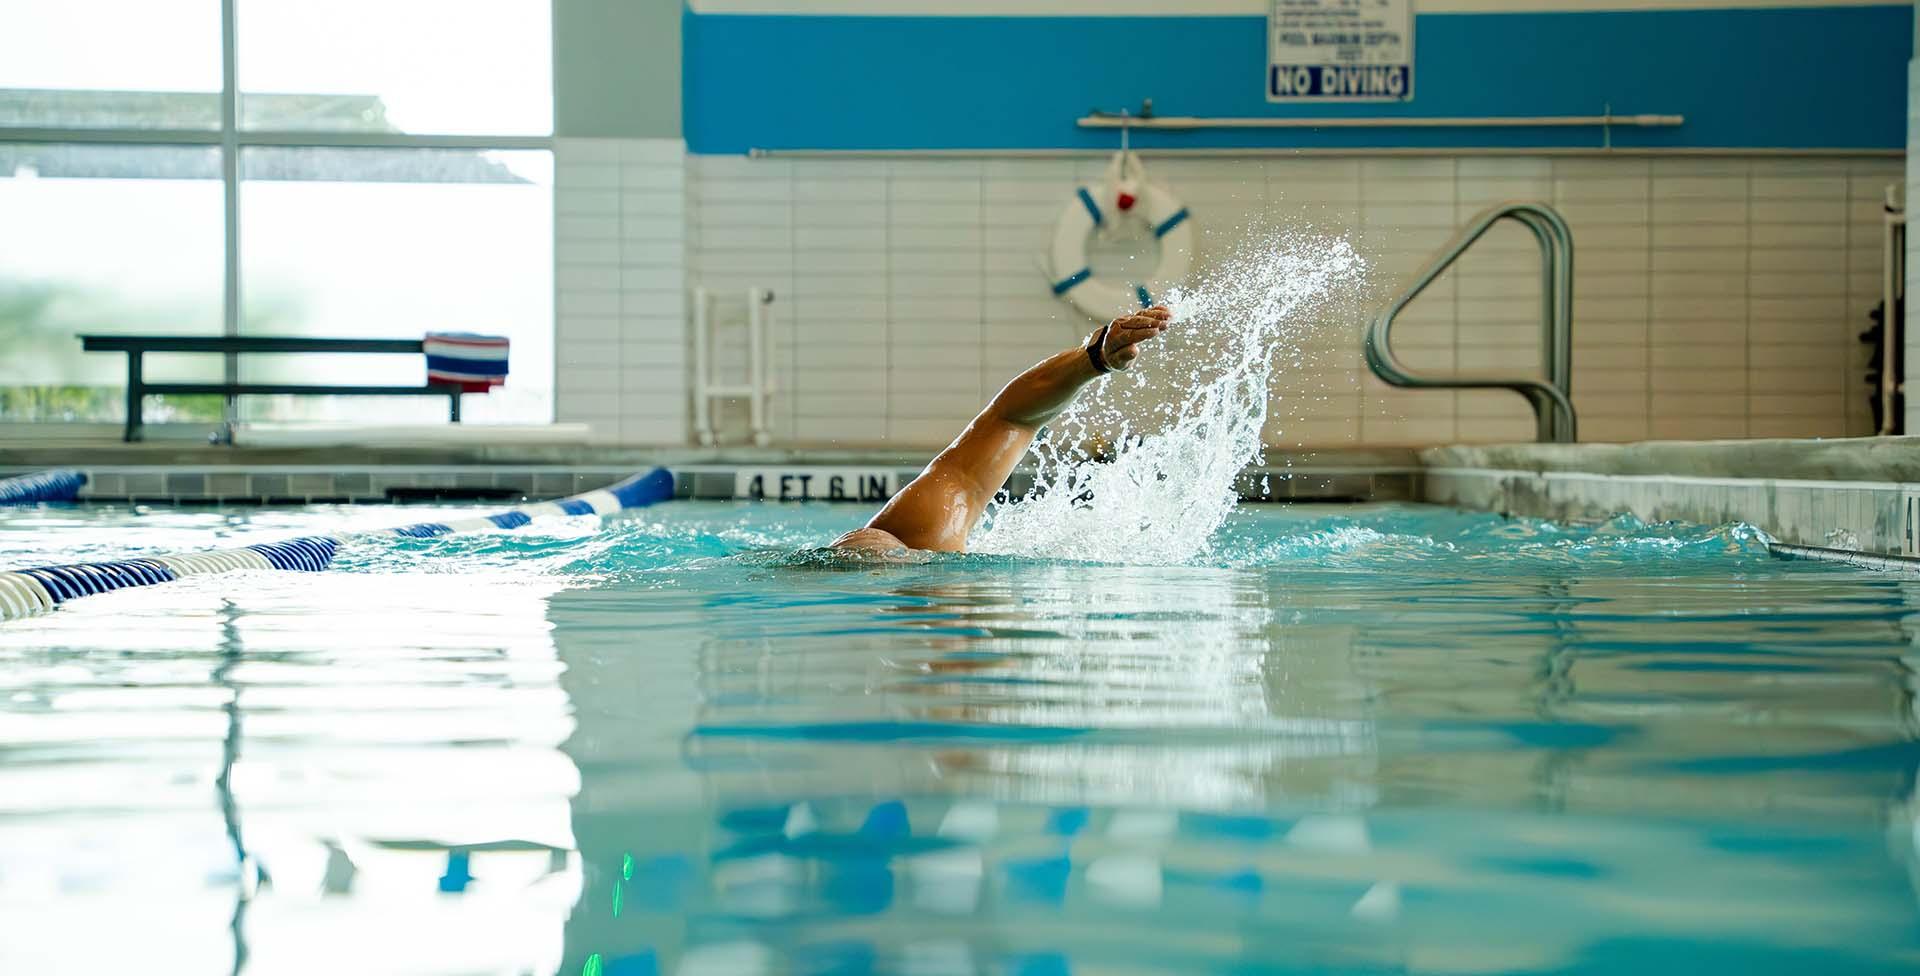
x=1848 y=495
x=1860 y=495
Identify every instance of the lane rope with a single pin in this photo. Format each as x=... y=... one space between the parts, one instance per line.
x=38 y=589
x=43 y=486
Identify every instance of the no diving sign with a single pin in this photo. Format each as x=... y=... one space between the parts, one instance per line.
x=1340 y=51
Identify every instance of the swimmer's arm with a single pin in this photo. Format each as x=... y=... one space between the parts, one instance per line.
x=940 y=507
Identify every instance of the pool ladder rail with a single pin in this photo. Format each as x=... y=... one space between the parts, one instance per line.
x=1893 y=295
x=708 y=387
x=1552 y=398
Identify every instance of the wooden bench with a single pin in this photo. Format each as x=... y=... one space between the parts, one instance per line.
x=135 y=346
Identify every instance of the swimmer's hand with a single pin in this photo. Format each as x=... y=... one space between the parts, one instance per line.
x=1121 y=344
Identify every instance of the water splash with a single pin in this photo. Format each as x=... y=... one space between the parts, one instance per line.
x=1141 y=469
x=1409 y=541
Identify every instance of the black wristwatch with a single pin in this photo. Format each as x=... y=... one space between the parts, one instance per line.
x=1095 y=353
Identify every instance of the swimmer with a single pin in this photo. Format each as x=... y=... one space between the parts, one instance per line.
x=940 y=507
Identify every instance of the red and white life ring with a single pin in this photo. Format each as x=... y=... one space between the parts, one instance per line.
x=1093 y=208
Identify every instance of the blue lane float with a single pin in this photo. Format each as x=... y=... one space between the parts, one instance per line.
x=39 y=589
x=44 y=486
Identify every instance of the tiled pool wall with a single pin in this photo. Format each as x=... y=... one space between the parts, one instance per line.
x=298 y=485
x=289 y=485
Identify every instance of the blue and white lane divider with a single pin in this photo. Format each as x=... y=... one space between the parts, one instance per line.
x=24 y=592
x=44 y=486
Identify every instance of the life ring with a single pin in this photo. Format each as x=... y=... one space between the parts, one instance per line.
x=1124 y=189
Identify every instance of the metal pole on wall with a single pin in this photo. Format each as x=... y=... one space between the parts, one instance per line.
x=1912 y=418
x=230 y=180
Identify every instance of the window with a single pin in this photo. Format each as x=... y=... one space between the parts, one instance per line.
x=395 y=243
x=156 y=66
x=431 y=66
x=392 y=176
x=105 y=239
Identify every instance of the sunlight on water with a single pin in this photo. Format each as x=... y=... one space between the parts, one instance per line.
x=1181 y=426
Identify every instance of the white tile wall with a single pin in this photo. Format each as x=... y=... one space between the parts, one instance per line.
x=1715 y=297
x=620 y=341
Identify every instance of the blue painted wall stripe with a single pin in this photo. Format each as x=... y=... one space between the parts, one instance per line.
x=1795 y=78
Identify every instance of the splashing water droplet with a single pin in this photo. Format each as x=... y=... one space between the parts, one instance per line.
x=1122 y=478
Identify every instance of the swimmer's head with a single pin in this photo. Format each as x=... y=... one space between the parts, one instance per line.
x=870 y=545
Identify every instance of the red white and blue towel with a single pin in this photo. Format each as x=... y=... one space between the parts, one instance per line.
x=474 y=363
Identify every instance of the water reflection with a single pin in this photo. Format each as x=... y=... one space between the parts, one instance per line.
x=1130 y=685
x=1348 y=754
x=249 y=875
x=199 y=778
x=1010 y=768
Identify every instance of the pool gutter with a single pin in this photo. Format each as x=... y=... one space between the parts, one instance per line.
x=1829 y=499
x=1842 y=500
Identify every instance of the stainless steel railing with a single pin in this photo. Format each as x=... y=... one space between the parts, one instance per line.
x=1552 y=397
x=1893 y=292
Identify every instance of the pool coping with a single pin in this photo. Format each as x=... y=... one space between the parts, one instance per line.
x=1863 y=560
x=1821 y=496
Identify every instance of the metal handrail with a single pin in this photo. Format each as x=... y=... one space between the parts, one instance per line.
x=1552 y=398
x=1893 y=290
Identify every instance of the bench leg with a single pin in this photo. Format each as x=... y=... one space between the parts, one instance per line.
x=136 y=391
x=453 y=408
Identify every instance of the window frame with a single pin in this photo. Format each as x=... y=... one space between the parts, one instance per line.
x=231 y=139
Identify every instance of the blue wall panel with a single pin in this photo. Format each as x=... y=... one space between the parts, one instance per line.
x=1829 y=78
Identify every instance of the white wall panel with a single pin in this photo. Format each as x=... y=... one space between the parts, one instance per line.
x=1714 y=296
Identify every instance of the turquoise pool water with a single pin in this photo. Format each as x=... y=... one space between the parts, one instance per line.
x=1374 y=739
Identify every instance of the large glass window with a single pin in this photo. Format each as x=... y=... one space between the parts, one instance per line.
x=393 y=244
x=422 y=66
x=393 y=177
x=105 y=63
x=105 y=239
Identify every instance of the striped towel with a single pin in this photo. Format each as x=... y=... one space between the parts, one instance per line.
x=475 y=363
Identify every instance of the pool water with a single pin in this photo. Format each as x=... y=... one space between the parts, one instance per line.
x=1344 y=739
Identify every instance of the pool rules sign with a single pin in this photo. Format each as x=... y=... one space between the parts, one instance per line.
x=1340 y=51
